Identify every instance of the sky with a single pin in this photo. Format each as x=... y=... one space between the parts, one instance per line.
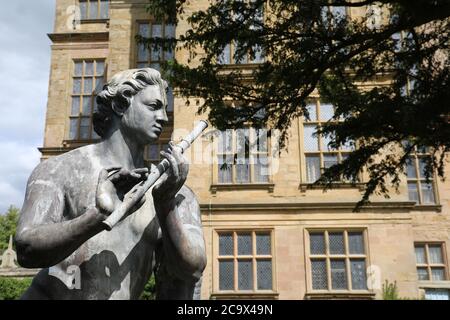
x=24 y=74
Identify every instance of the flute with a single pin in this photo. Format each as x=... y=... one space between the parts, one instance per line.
x=139 y=190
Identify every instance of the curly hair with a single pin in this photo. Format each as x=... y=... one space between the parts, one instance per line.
x=122 y=87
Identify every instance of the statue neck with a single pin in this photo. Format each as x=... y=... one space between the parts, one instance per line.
x=119 y=150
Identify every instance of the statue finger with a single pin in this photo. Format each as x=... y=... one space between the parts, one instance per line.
x=173 y=163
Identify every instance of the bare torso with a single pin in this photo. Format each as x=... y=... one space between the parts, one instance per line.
x=110 y=265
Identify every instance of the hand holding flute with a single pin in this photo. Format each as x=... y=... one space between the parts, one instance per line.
x=170 y=175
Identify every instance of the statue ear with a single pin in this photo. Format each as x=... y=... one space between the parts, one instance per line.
x=121 y=103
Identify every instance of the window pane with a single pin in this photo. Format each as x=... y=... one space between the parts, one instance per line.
x=170 y=31
x=83 y=10
x=336 y=241
x=245 y=275
x=317 y=243
x=420 y=254
x=311 y=141
x=73 y=129
x=226 y=244
x=319 y=274
x=157 y=31
x=261 y=168
x=438 y=274
x=263 y=244
x=104 y=9
x=87 y=105
x=224 y=57
x=355 y=243
x=427 y=193
x=329 y=160
x=153 y=152
x=99 y=82
x=155 y=66
x=422 y=274
x=435 y=254
x=264 y=271
x=88 y=85
x=226 y=141
x=437 y=294
x=312 y=110
x=312 y=168
x=77 y=86
x=225 y=169
x=411 y=168
x=338 y=274
x=85 y=125
x=325 y=143
x=358 y=271
x=242 y=171
x=326 y=112
x=144 y=30
x=413 y=193
x=75 y=106
x=93 y=10
x=245 y=244
x=100 y=68
x=422 y=166
x=142 y=65
x=243 y=143
x=261 y=140
x=78 y=69
x=226 y=275
x=258 y=55
x=142 y=52
x=170 y=100
x=339 y=12
x=89 y=68
x=240 y=60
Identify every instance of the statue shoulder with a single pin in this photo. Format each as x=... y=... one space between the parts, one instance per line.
x=59 y=168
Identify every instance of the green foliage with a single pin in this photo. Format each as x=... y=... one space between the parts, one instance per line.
x=149 y=290
x=8 y=224
x=390 y=291
x=310 y=47
x=12 y=289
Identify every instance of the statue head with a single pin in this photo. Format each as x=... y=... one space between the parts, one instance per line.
x=138 y=99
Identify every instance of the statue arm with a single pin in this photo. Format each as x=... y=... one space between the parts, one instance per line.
x=182 y=235
x=42 y=238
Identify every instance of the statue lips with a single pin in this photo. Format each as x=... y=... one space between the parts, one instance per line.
x=157 y=129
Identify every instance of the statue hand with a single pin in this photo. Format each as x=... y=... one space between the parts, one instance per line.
x=171 y=182
x=112 y=188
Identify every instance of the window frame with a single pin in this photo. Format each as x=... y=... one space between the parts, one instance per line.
x=253 y=156
x=328 y=257
x=99 y=10
x=429 y=266
x=236 y=257
x=320 y=152
x=232 y=48
x=149 y=62
x=82 y=94
x=418 y=180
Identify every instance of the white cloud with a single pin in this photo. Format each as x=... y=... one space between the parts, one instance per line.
x=24 y=72
x=18 y=161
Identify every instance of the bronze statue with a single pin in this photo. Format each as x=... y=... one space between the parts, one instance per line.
x=63 y=228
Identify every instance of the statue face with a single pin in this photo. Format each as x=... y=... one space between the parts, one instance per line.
x=144 y=119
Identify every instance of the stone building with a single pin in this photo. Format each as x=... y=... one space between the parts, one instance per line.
x=268 y=236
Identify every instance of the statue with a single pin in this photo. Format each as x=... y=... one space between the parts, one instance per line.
x=9 y=257
x=61 y=227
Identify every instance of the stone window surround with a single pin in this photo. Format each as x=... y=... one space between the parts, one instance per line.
x=428 y=265
x=83 y=94
x=247 y=294
x=310 y=292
